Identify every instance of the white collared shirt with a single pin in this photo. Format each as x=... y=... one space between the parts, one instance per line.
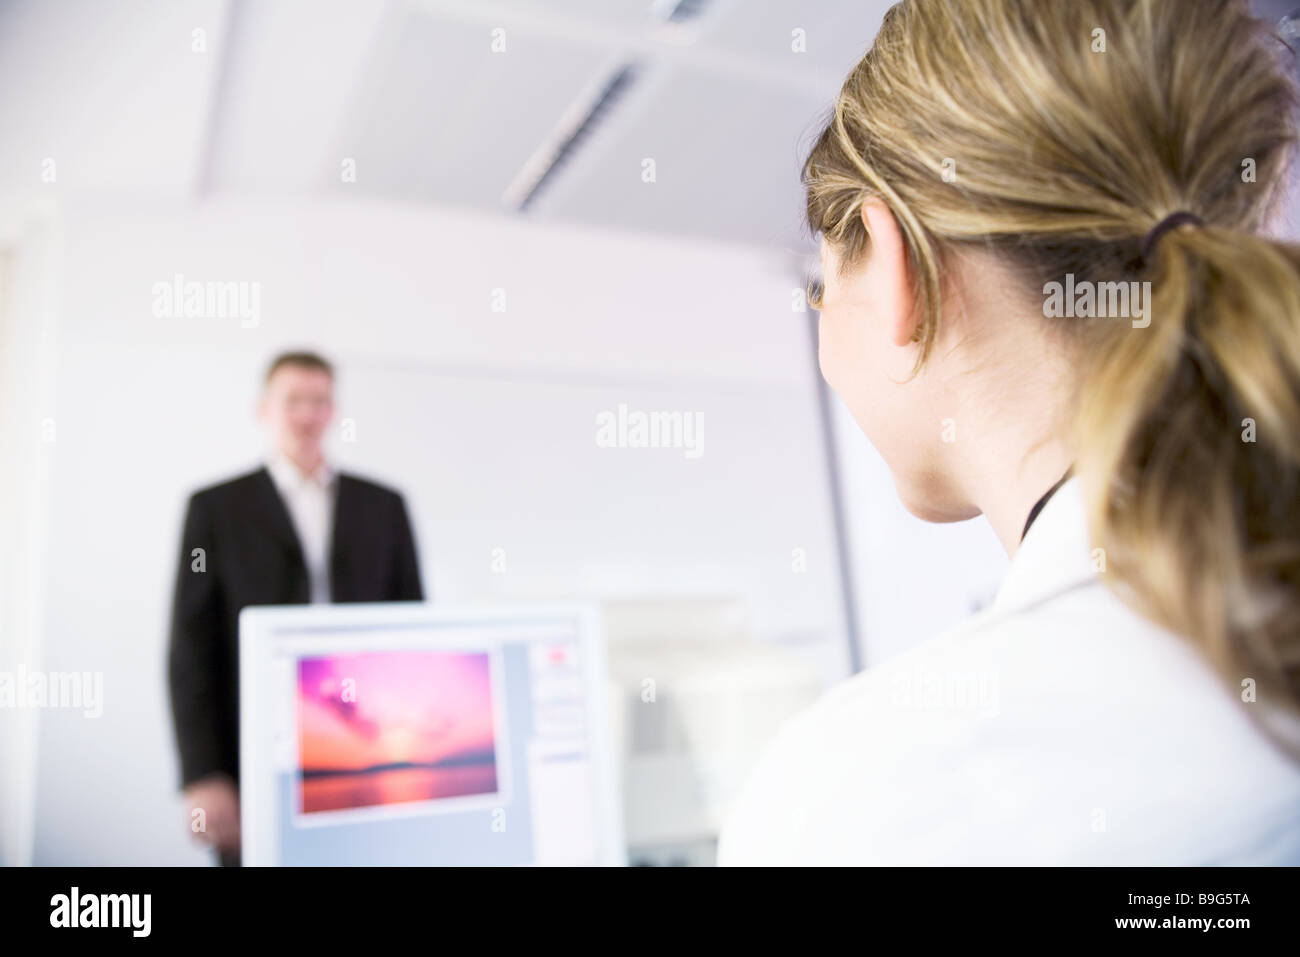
x=1056 y=727
x=310 y=502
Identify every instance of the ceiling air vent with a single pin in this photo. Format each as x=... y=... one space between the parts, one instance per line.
x=578 y=121
x=678 y=11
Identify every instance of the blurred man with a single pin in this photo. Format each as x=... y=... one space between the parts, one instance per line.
x=294 y=531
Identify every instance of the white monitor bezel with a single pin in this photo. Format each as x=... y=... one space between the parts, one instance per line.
x=258 y=626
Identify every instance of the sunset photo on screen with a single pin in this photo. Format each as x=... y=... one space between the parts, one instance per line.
x=395 y=728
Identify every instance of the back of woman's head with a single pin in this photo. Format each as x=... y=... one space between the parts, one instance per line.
x=1058 y=135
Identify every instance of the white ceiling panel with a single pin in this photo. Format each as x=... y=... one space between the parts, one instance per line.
x=726 y=158
x=835 y=35
x=291 y=71
x=115 y=94
x=441 y=117
x=615 y=12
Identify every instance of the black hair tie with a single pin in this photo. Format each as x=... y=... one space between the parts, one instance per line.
x=1172 y=221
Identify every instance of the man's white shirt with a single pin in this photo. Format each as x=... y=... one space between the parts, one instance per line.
x=310 y=502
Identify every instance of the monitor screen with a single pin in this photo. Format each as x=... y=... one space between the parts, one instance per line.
x=405 y=734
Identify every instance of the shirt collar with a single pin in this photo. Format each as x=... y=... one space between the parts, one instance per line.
x=1055 y=555
x=288 y=477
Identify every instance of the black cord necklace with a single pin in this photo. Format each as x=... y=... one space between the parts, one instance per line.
x=1038 y=506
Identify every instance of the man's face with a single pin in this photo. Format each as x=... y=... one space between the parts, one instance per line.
x=297 y=407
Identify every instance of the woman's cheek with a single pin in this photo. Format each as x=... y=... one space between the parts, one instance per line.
x=835 y=352
x=825 y=349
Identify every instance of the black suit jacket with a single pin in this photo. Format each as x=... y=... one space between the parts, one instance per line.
x=253 y=557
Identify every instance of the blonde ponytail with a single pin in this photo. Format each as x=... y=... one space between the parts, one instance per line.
x=1189 y=449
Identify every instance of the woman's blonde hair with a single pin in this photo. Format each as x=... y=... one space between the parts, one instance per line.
x=1059 y=134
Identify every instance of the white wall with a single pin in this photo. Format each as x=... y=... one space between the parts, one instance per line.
x=28 y=324
x=486 y=420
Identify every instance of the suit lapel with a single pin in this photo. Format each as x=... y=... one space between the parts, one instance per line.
x=342 y=536
x=275 y=516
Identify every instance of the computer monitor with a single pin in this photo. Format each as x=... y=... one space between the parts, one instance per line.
x=414 y=734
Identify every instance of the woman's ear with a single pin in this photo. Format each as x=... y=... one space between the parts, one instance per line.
x=891 y=283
